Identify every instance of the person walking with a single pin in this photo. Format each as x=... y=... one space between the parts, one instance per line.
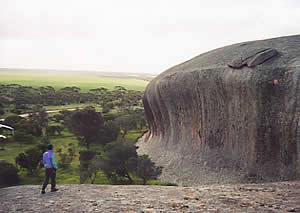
x=49 y=161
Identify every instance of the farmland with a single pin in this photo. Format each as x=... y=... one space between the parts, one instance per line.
x=84 y=80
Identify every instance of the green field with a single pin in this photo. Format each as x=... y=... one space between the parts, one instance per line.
x=57 y=79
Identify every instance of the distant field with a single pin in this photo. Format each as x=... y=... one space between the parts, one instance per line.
x=83 y=80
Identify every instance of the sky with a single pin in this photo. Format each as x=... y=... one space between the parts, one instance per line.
x=136 y=36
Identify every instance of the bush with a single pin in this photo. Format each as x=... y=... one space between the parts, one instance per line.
x=8 y=174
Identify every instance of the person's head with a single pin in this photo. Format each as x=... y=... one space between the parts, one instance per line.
x=50 y=147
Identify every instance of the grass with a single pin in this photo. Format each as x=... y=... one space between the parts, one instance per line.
x=85 y=81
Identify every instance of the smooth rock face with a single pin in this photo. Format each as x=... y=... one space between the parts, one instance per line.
x=228 y=115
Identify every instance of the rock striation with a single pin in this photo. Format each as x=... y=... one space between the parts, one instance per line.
x=229 y=115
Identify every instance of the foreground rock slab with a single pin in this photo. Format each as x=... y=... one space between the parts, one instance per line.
x=268 y=197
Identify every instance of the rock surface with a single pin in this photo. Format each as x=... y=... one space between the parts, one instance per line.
x=229 y=115
x=269 y=197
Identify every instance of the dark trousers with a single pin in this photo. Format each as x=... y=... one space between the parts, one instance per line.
x=50 y=173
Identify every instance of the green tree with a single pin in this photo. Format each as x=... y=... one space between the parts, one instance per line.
x=58 y=118
x=110 y=133
x=52 y=130
x=95 y=165
x=40 y=116
x=126 y=122
x=30 y=127
x=22 y=137
x=120 y=160
x=85 y=157
x=65 y=159
x=146 y=169
x=87 y=123
x=47 y=96
x=30 y=160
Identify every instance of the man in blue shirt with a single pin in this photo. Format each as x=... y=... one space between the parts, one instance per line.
x=49 y=161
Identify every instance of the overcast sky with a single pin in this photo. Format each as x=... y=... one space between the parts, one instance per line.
x=133 y=35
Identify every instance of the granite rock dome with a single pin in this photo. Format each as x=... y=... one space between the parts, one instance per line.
x=228 y=115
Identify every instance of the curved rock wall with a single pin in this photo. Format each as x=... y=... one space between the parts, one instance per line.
x=228 y=115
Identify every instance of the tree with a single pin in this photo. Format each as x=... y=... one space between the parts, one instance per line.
x=58 y=118
x=40 y=117
x=95 y=165
x=12 y=120
x=126 y=122
x=22 y=137
x=52 y=130
x=8 y=174
x=120 y=161
x=29 y=126
x=85 y=157
x=65 y=159
x=146 y=169
x=2 y=111
x=47 y=96
x=3 y=141
x=30 y=160
x=87 y=123
x=110 y=133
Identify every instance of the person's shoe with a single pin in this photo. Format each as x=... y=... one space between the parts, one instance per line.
x=43 y=192
x=54 y=190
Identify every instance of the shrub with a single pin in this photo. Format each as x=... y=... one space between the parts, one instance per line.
x=8 y=174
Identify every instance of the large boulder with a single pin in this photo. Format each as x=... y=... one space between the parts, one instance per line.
x=228 y=115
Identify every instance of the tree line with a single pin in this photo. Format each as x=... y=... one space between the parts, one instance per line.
x=26 y=98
